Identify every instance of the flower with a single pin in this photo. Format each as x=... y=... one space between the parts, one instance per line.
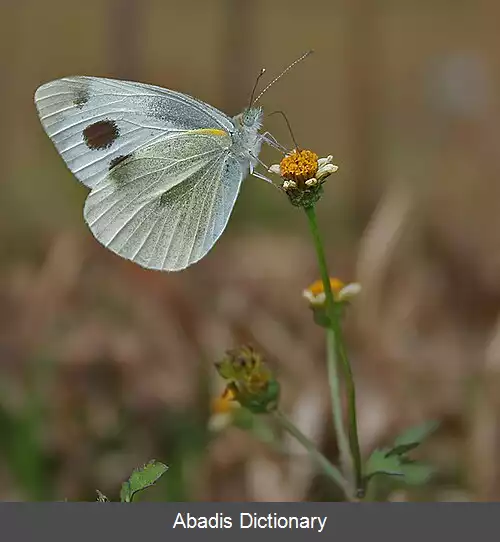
x=303 y=173
x=315 y=293
x=249 y=380
x=342 y=294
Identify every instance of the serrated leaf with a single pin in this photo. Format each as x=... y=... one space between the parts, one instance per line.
x=101 y=497
x=141 y=479
x=382 y=463
x=412 y=472
x=415 y=435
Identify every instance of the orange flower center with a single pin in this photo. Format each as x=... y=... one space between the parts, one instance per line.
x=316 y=288
x=299 y=166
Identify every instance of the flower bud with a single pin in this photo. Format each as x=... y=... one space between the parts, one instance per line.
x=249 y=381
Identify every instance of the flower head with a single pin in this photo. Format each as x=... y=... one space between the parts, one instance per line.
x=315 y=293
x=249 y=380
x=299 y=166
x=342 y=294
x=303 y=174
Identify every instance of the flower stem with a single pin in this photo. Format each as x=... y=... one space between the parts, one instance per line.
x=338 y=422
x=329 y=469
x=340 y=353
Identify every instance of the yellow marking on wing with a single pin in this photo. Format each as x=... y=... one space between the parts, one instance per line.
x=211 y=131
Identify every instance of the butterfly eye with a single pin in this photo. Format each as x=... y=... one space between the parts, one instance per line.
x=247 y=119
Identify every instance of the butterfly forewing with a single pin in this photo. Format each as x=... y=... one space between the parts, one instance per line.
x=97 y=123
x=165 y=206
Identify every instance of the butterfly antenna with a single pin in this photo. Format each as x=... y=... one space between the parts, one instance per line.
x=294 y=63
x=282 y=113
x=262 y=72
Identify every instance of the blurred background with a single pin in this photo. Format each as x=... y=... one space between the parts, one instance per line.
x=104 y=365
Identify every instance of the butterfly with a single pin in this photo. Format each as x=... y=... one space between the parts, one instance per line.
x=164 y=169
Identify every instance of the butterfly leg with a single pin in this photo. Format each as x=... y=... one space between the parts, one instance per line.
x=268 y=138
x=263 y=177
x=260 y=175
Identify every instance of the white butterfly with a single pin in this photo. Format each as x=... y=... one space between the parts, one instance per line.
x=164 y=169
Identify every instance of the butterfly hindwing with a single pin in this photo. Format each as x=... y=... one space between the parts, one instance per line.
x=96 y=123
x=166 y=204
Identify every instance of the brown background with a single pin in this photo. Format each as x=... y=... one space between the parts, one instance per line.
x=104 y=365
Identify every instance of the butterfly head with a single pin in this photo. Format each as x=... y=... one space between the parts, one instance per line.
x=246 y=140
x=250 y=118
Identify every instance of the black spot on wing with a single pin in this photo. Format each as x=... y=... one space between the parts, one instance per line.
x=118 y=160
x=82 y=96
x=101 y=134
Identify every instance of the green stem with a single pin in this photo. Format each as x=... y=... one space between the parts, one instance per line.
x=340 y=350
x=329 y=469
x=336 y=397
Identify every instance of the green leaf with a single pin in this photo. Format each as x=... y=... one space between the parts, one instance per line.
x=394 y=462
x=415 y=435
x=412 y=472
x=101 y=497
x=382 y=463
x=142 y=478
x=416 y=474
x=402 y=449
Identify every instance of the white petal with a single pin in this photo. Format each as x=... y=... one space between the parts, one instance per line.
x=308 y=295
x=349 y=291
x=218 y=422
x=324 y=161
x=326 y=170
x=319 y=299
